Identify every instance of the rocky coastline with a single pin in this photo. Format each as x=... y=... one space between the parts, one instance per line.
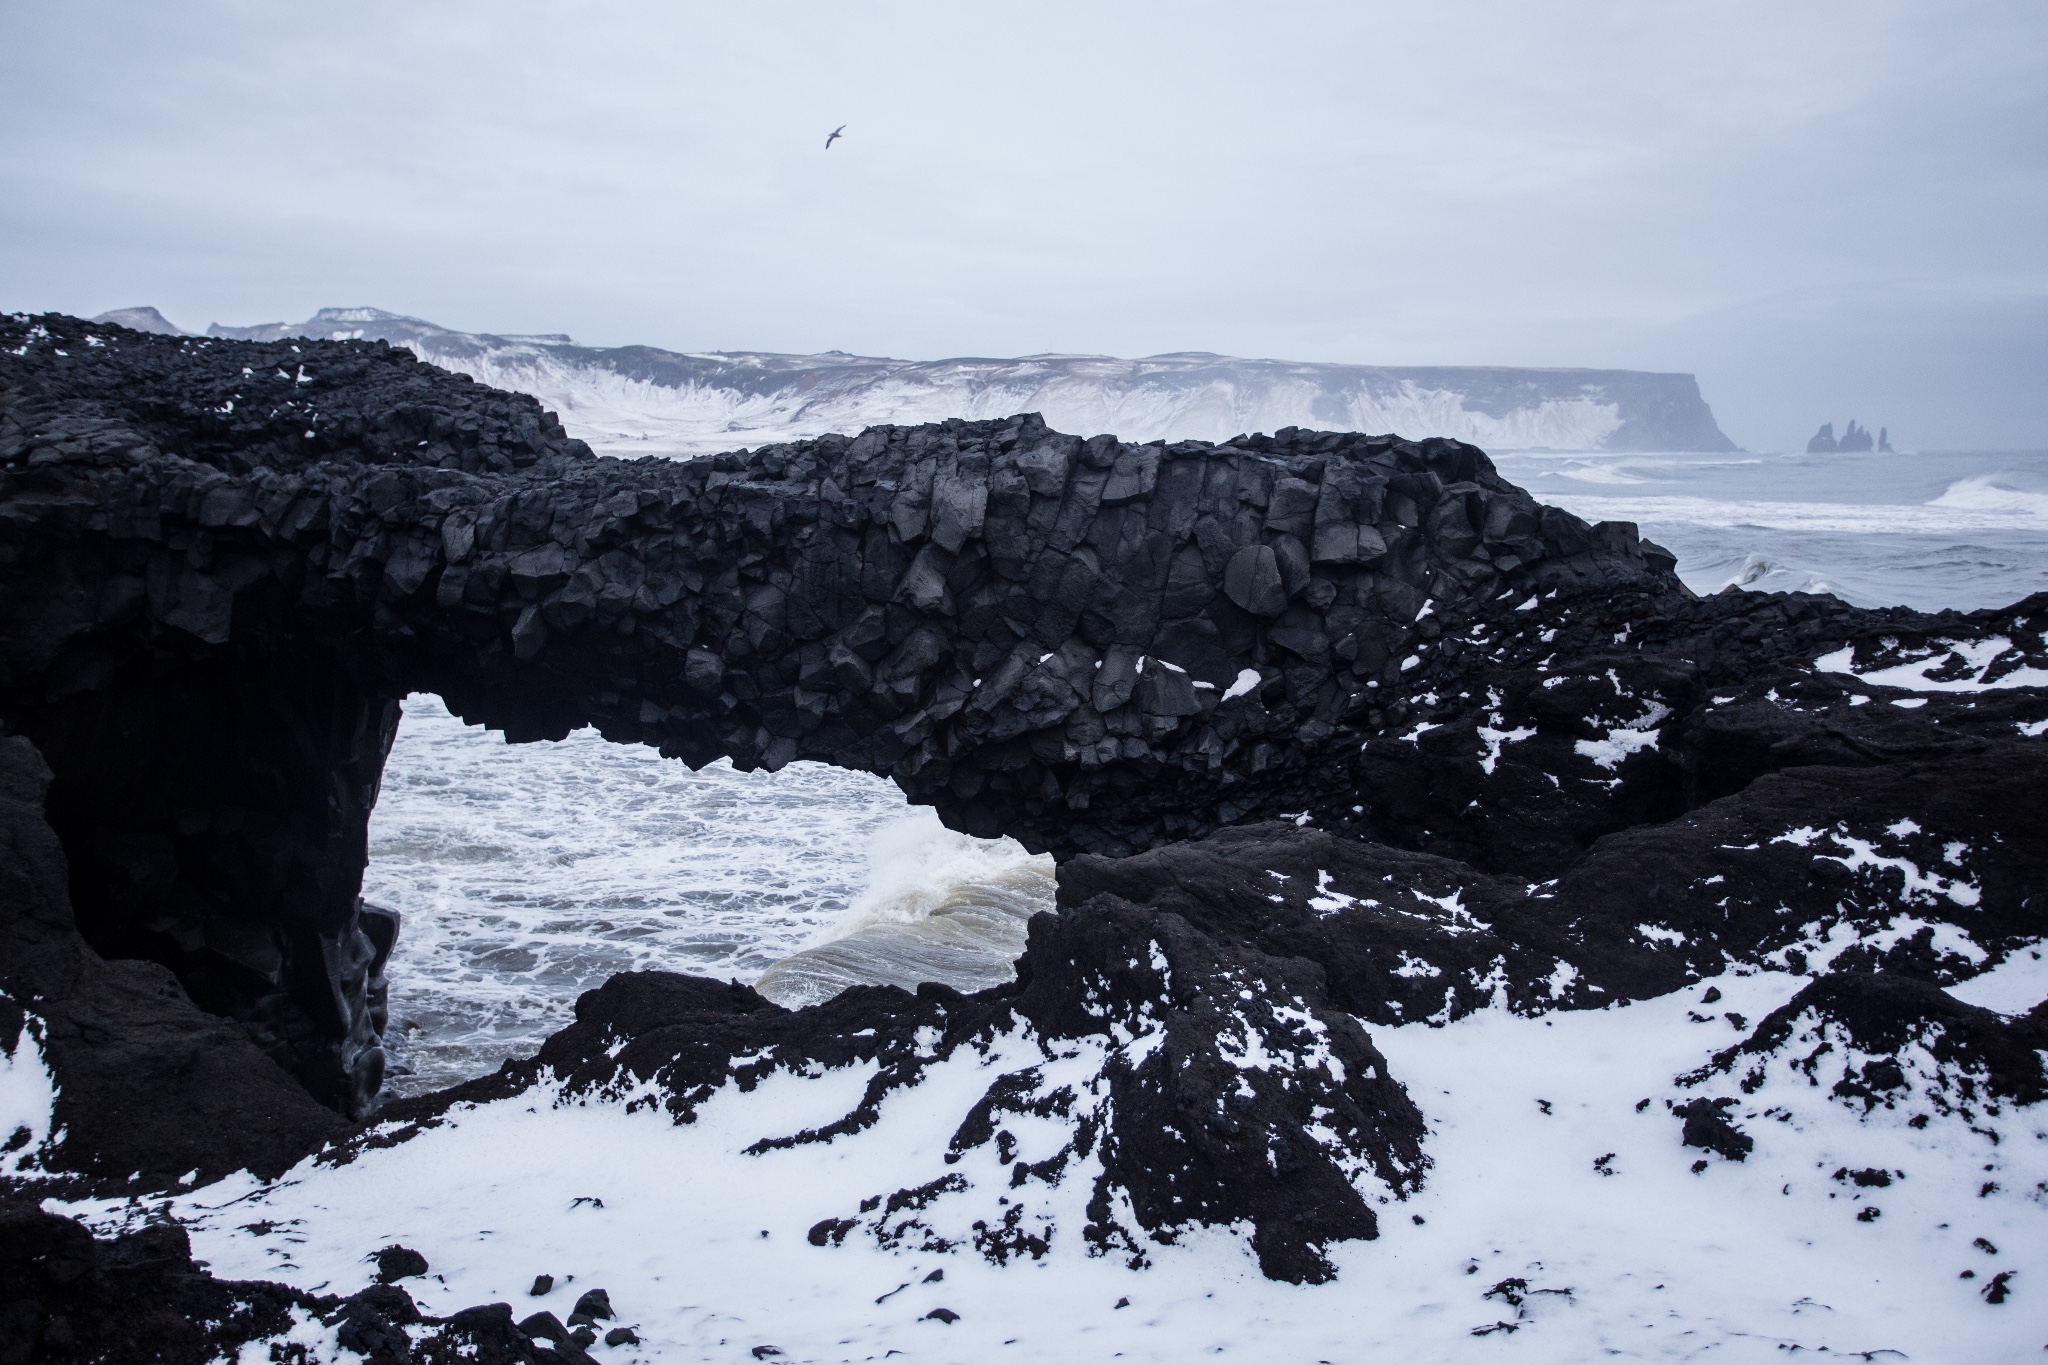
x=1331 y=733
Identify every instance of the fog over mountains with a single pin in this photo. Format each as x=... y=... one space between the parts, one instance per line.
x=646 y=400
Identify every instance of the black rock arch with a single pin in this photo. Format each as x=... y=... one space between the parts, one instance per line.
x=223 y=564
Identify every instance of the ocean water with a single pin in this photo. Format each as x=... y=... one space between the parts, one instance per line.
x=527 y=874
x=530 y=873
x=1961 y=529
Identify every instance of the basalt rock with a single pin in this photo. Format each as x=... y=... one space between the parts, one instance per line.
x=151 y=1088
x=1518 y=765
x=66 y=1295
x=224 y=564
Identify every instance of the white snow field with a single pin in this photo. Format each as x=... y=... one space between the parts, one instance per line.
x=1562 y=1222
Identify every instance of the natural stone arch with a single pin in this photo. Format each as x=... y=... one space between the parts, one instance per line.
x=227 y=562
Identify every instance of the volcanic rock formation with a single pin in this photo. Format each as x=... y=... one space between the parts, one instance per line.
x=1331 y=731
x=226 y=563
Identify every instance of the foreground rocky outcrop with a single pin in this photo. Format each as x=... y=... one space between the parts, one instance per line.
x=1333 y=731
x=224 y=564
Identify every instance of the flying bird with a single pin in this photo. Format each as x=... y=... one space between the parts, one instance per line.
x=834 y=137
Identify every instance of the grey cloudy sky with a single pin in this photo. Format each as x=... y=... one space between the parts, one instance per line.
x=1824 y=209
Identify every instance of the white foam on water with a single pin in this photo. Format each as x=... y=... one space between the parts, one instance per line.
x=1992 y=493
x=939 y=906
x=528 y=874
x=1956 y=529
x=1877 y=518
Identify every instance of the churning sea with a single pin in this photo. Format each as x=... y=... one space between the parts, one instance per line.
x=527 y=874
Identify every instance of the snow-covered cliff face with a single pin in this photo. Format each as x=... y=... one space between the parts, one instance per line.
x=643 y=400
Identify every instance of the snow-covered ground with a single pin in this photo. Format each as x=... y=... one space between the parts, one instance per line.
x=1562 y=1221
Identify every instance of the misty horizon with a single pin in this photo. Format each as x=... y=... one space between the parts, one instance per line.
x=1830 y=212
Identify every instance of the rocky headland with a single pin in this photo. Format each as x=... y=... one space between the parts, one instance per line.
x=1332 y=732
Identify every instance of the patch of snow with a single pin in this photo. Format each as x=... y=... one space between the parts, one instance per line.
x=2014 y=986
x=1975 y=655
x=1621 y=743
x=1496 y=739
x=1327 y=900
x=28 y=1101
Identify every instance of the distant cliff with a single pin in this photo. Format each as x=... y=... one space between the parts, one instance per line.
x=641 y=399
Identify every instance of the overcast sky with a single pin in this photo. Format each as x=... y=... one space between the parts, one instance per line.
x=1824 y=209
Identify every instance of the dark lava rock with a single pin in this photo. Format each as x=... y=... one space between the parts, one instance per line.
x=595 y=1303
x=370 y=1323
x=136 y=1297
x=1857 y=1033
x=227 y=562
x=399 y=1263
x=151 y=1086
x=621 y=1336
x=542 y=1284
x=485 y=1334
x=1328 y=728
x=1707 y=1125
x=544 y=1327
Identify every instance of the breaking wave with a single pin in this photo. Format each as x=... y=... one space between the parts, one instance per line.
x=1992 y=494
x=938 y=906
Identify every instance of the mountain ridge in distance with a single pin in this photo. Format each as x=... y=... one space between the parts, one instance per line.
x=635 y=400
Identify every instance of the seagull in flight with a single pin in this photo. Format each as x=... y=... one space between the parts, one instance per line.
x=834 y=137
